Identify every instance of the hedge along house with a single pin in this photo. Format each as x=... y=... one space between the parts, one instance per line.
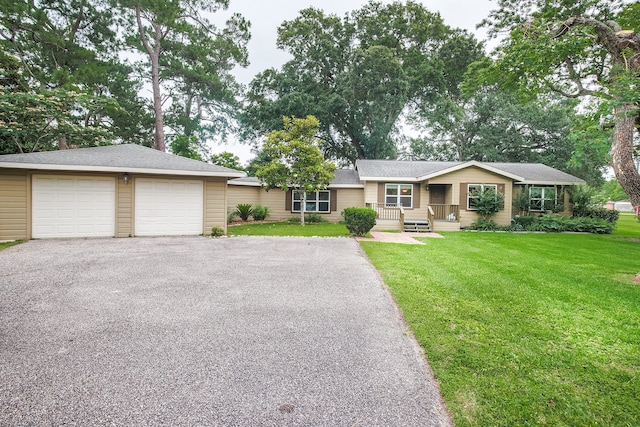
x=345 y=191
x=421 y=195
x=109 y=191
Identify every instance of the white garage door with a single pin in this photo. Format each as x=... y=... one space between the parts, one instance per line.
x=165 y=207
x=73 y=206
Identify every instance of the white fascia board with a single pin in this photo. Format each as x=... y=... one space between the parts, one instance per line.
x=346 y=186
x=118 y=169
x=390 y=179
x=245 y=183
x=549 y=183
x=469 y=164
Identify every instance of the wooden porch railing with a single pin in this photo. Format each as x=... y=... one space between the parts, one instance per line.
x=390 y=212
x=449 y=213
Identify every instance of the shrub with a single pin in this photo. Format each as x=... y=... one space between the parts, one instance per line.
x=260 y=213
x=359 y=221
x=483 y=224
x=244 y=211
x=601 y=213
x=488 y=202
x=310 y=218
x=231 y=216
x=524 y=220
x=217 y=232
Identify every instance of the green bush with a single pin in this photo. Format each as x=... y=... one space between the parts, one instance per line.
x=231 y=216
x=524 y=220
x=550 y=223
x=488 y=202
x=483 y=224
x=601 y=213
x=217 y=231
x=359 y=221
x=244 y=211
x=260 y=213
x=310 y=218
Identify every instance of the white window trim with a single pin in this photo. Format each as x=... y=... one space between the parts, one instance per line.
x=397 y=185
x=543 y=198
x=482 y=188
x=315 y=200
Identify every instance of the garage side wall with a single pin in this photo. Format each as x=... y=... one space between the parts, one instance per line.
x=124 y=208
x=215 y=204
x=14 y=205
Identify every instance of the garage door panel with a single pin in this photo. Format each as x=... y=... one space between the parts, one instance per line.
x=68 y=206
x=168 y=207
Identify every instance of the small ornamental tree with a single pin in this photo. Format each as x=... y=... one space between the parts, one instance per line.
x=296 y=160
x=488 y=202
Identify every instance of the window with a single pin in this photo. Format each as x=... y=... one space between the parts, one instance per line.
x=542 y=198
x=474 y=191
x=399 y=195
x=317 y=201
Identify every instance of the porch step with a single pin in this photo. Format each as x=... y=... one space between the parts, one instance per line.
x=417 y=225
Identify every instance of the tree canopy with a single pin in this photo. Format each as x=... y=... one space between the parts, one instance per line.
x=296 y=159
x=360 y=74
x=577 y=50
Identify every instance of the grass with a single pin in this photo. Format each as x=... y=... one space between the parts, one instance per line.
x=289 y=229
x=5 y=245
x=526 y=329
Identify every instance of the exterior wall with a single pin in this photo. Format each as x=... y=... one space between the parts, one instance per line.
x=370 y=192
x=124 y=208
x=215 y=204
x=275 y=200
x=347 y=198
x=474 y=175
x=238 y=194
x=14 y=205
x=15 y=201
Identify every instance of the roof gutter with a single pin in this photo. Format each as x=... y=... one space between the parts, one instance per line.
x=119 y=169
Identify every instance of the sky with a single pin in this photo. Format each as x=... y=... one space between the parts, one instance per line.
x=266 y=17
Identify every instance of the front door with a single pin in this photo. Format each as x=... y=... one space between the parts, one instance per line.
x=437 y=193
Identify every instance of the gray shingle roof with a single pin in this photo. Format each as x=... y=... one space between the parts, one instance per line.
x=412 y=170
x=343 y=178
x=115 y=158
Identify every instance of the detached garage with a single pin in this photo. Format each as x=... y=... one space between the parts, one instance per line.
x=110 y=191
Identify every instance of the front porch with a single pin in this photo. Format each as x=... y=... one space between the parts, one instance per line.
x=441 y=217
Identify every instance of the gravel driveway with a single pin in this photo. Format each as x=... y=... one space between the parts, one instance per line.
x=246 y=331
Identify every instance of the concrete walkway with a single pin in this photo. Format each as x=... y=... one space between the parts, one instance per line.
x=404 y=238
x=243 y=331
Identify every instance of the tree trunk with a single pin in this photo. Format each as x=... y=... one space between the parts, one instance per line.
x=303 y=205
x=157 y=98
x=62 y=143
x=622 y=159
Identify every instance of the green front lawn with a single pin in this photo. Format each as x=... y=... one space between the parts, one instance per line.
x=526 y=329
x=288 y=229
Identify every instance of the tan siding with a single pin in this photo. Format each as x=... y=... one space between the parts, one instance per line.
x=347 y=198
x=237 y=194
x=14 y=205
x=371 y=192
x=474 y=175
x=124 y=208
x=274 y=199
x=215 y=204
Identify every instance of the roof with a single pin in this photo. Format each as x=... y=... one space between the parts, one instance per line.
x=417 y=171
x=116 y=158
x=344 y=178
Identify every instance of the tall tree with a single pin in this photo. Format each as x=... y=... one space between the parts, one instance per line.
x=359 y=74
x=578 y=50
x=72 y=45
x=189 y=57
x=296 y=160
